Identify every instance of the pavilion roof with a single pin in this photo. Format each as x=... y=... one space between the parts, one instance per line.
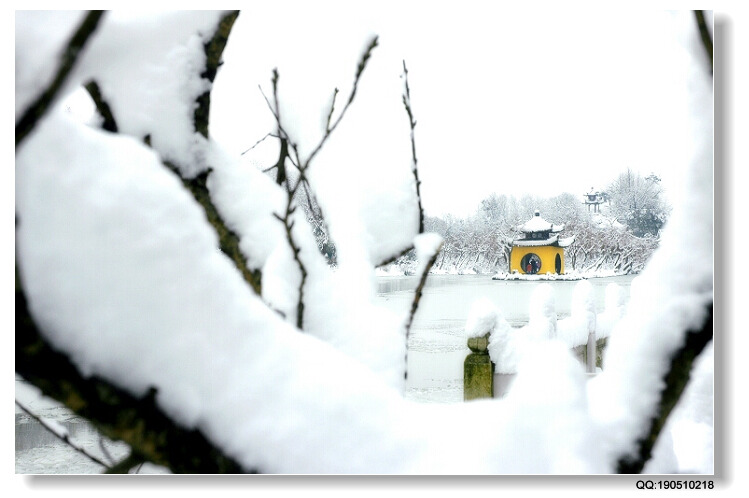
x=538 y=224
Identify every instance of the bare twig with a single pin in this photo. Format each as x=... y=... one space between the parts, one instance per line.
x=394 y=257
x=290 y=151
x=330 y=113
x=412 y=124
x=288 y=224
x=104 y=449
x=102 y=106
x=281 y=163
x=433 y=259
x=69 y=57
x=259 y=142
x=284 y=180
x=417 y=298
x=331 y=127
x=65 y=438
x=283 y=135
x=127 y=463
x=276 y=104
x=414 y=165
x=705 y=36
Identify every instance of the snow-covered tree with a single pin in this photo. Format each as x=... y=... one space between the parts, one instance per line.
x=638 y=203
x=482 y=242
x=178 y=299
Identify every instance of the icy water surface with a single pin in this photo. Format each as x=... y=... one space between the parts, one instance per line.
x=437 y=345
x=436 y=351
x=38 y=451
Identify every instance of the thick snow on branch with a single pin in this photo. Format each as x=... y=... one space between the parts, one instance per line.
x=48 y=32
x=162 y=52
x=670 y=296
x=122 y=273
x=247 y=199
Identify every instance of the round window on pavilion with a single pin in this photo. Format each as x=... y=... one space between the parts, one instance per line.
x=530 y=263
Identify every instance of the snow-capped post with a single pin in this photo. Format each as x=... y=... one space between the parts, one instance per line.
x=478 y=369
x=584 y=311
x=542 y=314
x=590 y=360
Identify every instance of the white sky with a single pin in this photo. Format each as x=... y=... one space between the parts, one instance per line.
x=508 y=101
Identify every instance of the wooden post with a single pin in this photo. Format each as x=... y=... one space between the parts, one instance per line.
x=478 y=370
x=600 y=346
x=590 y=360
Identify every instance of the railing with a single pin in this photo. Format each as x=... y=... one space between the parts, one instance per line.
x=490 y=367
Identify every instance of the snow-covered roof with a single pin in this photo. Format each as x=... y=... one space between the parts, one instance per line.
x=554 y=240
x=566 y=242
x=538 y=224
x=536 y=242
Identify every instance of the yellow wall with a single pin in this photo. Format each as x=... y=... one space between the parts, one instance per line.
x=546 y=253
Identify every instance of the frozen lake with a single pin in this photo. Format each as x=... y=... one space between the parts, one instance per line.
x=436 y=351
x=437 y=345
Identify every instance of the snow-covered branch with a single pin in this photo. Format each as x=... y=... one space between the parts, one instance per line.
x=214 y=49
x=228 y=240
x=198 y=185
x=138 y=421
x=36 y=109
x=674 y=384
x=706 y=36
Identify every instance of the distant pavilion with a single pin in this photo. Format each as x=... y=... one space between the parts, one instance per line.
x=539 y=250
x=594 y=199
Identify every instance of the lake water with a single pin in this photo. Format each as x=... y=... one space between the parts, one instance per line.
x=437 y=344
x=436 y=351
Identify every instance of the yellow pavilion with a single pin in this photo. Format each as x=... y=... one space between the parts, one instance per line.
x=539 y=250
